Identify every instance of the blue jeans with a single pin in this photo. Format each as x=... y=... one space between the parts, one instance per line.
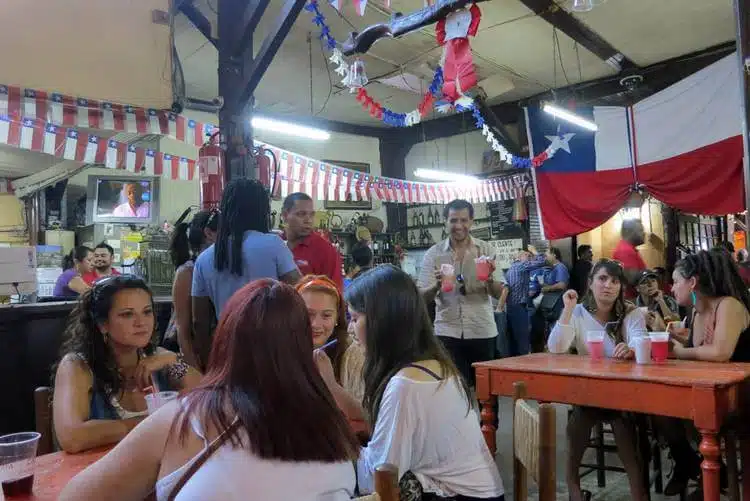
x=502 y=340
x=520 y=330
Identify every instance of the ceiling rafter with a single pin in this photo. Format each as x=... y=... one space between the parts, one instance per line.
x=558 y=17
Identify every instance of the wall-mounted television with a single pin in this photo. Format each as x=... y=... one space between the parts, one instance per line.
x=125 y=200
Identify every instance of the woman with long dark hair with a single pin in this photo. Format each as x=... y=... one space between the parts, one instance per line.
x=244 y=251
x=74 y=265
x=603 y=308
x=710 y=283
x=419 y=404
x=109 y=360
x=340 y=363
x=261 y=426
x=188 y=241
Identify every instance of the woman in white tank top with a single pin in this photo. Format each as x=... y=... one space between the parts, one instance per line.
x=261 y=426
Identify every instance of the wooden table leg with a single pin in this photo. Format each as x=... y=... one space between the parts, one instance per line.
x=745 y=461
x=488 y=416
x=711 y=464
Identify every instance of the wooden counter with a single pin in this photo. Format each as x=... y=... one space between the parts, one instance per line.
x=30 y=340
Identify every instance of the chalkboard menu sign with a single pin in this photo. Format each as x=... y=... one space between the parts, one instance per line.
x=501 y=220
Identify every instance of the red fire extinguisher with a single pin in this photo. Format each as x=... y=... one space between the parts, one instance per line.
x=211 y=163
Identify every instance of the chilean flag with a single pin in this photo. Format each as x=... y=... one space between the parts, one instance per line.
x=682 y=144
x=589 y=177
x=688 y=141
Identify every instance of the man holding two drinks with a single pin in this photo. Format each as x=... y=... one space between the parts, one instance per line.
x=459 y=275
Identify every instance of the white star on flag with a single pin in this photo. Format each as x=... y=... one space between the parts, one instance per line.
x=560 y=141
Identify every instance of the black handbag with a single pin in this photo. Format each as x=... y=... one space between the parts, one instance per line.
x=551 y=305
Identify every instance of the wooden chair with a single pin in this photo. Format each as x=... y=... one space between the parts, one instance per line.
x=43 y=419
x=534 y=437
x=386 y=485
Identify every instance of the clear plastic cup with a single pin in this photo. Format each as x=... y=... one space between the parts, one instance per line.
x=595 y=344
x=158 y=399
x=642 y=347
x=483 y=268
x=659 y=346
x=17 y=459
x=448 y=282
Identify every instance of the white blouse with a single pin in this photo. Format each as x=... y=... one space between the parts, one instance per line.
x=427 y=427
x=563 y=336
x=236 y=474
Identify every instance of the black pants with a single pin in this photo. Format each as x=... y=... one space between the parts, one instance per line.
x=467 y=351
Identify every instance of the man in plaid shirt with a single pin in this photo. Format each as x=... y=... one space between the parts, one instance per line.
x=517 y=277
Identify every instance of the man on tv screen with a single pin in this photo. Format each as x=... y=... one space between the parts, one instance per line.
x=134 y=205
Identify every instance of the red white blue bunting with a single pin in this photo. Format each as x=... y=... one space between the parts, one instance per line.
x=19 y=103
x=324 y=181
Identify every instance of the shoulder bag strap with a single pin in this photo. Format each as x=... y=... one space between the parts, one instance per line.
x=202 y=458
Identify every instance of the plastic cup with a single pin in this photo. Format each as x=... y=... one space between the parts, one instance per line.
x=659 y=346
x=448 y=282
x=17 y=458
x=156 y=400
x=540 y=279
x=483 y=269
x=595 y=343
x=642 y=347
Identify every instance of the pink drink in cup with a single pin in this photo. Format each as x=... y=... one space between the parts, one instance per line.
x=595 y=344
x=448 y=282
x=659 y=346
x=483 y=268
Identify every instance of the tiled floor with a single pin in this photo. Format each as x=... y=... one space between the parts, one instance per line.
x=617 y=484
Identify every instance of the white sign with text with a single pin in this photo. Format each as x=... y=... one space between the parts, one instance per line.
x=505 y=251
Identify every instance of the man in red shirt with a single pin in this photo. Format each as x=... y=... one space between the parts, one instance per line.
x=103 y=254
x=313 y=254
x=632 y=235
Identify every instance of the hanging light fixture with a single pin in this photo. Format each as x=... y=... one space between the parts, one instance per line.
x=569 y=117
x=585 y=5
x=582 y=5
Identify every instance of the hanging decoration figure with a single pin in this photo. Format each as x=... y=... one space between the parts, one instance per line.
x=356 y=77
x=453 y=33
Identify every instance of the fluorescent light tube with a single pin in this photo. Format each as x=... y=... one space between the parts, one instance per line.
x=570 y=117
x=289 y=129
x=441 y=175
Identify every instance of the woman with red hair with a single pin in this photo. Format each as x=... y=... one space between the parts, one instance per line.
x=261 y=417
x=338 y=355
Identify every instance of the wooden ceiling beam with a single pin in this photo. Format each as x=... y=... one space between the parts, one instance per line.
x=558 y=17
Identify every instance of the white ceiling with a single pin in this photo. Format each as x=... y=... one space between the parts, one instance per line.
x=514 y=48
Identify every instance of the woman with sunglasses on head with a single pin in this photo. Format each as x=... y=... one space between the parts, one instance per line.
x=415 y=397
x=188 y=241
x=109 y=361
x=339 y=357
x=262 y=426
x=603 y=308
x=719 y=331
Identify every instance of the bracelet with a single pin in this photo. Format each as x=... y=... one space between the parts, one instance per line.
x=177 y=370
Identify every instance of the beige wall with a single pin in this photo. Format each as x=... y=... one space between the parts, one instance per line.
x=12 y=221
x=461 y=154
x=103 y=49
x=603 y=239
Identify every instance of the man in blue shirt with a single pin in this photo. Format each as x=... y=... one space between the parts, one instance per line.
x=244 y=251
x=556 y=278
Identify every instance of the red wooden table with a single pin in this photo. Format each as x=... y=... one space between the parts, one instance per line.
x=703 y=392
x=54 y=471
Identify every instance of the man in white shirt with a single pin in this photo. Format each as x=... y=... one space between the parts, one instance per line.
x=464 y=319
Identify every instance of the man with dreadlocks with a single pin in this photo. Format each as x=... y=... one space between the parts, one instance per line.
x=244 y=251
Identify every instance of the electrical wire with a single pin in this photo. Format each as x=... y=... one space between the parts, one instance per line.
x=578 y=61
x=330 y=80
x=309 y=53
x=556 y=44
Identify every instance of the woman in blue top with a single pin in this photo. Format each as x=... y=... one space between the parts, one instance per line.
x=75 y=264
x=109 y=360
